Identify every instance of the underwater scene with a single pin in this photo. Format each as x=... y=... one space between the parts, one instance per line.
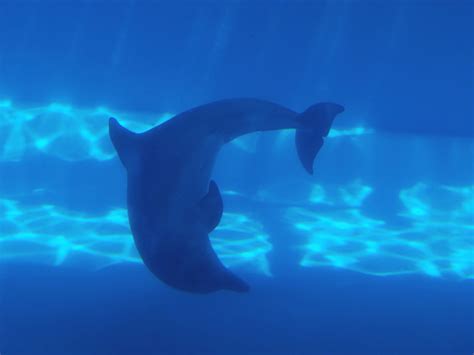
x=218 y=110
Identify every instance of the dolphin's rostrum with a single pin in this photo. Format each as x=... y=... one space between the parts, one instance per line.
x=172 y=202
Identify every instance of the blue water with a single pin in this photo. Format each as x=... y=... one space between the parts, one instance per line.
x=374 y=254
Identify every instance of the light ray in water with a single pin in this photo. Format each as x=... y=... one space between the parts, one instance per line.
x=56 y=236
x=437 y=238
x=63 y=131
x=73 y=134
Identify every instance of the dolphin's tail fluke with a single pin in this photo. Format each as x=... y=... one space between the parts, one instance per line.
x=315 y=124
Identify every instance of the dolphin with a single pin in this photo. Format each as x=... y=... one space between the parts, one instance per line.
x=172 y=202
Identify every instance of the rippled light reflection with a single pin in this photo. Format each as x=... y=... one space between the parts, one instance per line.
x=63 y=131
x=437 y=238
x=55 y=236
x=72 y=134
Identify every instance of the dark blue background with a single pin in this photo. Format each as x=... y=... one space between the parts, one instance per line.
x=399 y=65
x=125 y=310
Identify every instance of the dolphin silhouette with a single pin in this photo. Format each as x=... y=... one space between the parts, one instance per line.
x=172 y=203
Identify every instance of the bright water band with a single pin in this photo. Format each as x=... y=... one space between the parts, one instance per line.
x=75 y=134
x=436 y=239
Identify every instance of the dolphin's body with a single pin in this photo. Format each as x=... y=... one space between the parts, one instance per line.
x=172 y=203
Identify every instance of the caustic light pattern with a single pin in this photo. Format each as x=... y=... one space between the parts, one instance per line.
x=73 y=134
x=437 y=237
x=63 y=131
x=432 y=232
x=51 y=235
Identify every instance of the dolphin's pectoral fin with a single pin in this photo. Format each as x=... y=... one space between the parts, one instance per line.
x=316 y=122
x=211 y=207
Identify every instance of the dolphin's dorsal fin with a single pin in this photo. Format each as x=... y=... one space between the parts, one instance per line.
x=211 y=207
x=124 y=141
